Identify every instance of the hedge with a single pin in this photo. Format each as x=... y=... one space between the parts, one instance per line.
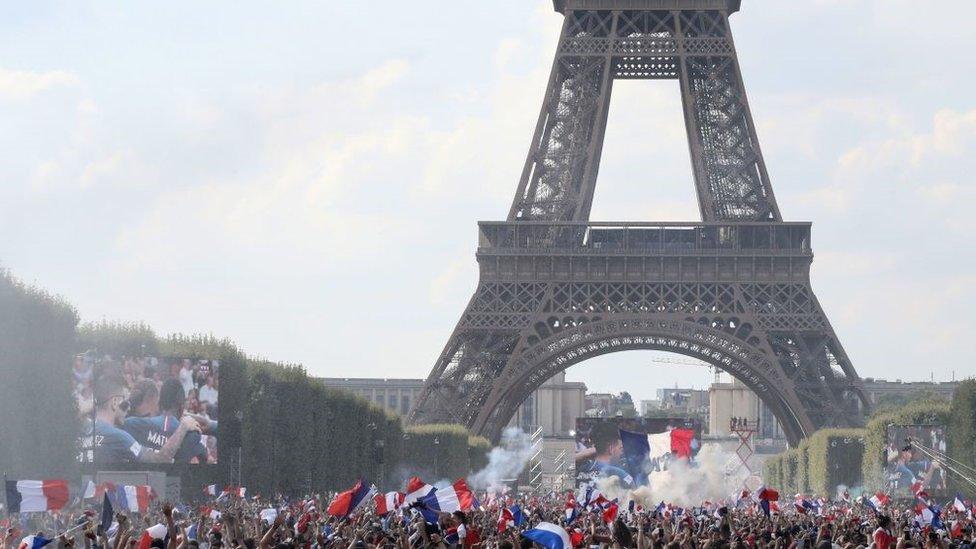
x=39 y=433
x=773 y=472
x=478 y=448
x=962 y=430
x=936 y=412
x=438 y=452
x=790 y=471
x=834 y=458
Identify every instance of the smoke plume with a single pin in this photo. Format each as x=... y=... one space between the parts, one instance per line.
x=505 y=461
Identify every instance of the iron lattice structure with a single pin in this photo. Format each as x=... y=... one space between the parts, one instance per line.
x=556 y=289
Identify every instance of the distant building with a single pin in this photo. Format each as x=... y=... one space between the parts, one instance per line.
x=683 y=400
x=554 y=406
x=879 y=390
x=609 y=405
x=727 y=400
x=648 y=406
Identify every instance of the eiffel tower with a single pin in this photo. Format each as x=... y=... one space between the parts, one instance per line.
x=732 y=290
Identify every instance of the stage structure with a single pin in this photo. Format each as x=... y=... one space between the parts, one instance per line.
x=732 y=290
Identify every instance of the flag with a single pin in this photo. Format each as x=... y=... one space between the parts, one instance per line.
x=210 y=489
x=877 y=501
x=416 y=490
x=571 y=510
x=802 y=504
x=107 y=513
x=388 y=502
x=636 y=449
x=928 y=515
x=577 y=537
x=659 y=444
x=549 y=536
x=32 y=496
x=767 y=494
x=238 y=491
x=681 y=441
x=506 y=519
x=456 y=497
x=349 y=501
x=89 y=490
x=269 y=515
x=137 y=498
x=158 y=531
x=610 y=512
x=958 y=505
x=517 y=515
x=34 y=542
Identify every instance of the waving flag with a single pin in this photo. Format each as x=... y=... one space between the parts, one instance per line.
x=610 y=512
x=34 y=542
x=158 y=531
x=416 y=490
x=210 y=490
x=456 y=497
x=928 y=515
x=958 y=504
x=549 y=536
x=517 y=515
x=349 y=501
x=135 y=498
x=388 y=502
x=571 y=508
x=505 y=520
x=32 y=496
x=636 y=450
x=107 y=513
x=878 y=501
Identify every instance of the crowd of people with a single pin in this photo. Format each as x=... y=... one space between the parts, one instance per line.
x=498 y=521
x=146 y=409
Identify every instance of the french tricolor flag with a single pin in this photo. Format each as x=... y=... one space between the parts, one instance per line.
x=136 y=498
x=158 y=531
x=878 y=501
x=417 y=490
x=210 y=490
x=571 y=512
x=549 y=536
x=456 y=497
x=32 y=496
x=33 y=542
x=388 y=502
x=349 y=501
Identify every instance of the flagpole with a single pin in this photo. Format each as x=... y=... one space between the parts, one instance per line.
x=73 y=528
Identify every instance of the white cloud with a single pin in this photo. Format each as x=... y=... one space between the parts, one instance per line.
x=19 y=85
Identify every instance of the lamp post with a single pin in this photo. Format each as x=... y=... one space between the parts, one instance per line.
x=437 y=456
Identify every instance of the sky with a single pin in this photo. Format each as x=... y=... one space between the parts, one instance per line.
x=306 y=180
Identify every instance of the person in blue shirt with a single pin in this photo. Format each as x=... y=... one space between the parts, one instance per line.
x=609 y=451
x=114 y=445
x=156 y=431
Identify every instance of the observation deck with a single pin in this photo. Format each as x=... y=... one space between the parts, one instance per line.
x=731 y=6
x=720 y=251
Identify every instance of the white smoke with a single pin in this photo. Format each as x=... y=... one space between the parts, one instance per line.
x=505 y=462
x=685 y=484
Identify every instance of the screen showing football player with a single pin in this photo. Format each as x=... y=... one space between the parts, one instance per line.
x=156 y=431
x=115 y=445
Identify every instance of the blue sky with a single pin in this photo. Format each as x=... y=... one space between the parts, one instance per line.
x=306 y=179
